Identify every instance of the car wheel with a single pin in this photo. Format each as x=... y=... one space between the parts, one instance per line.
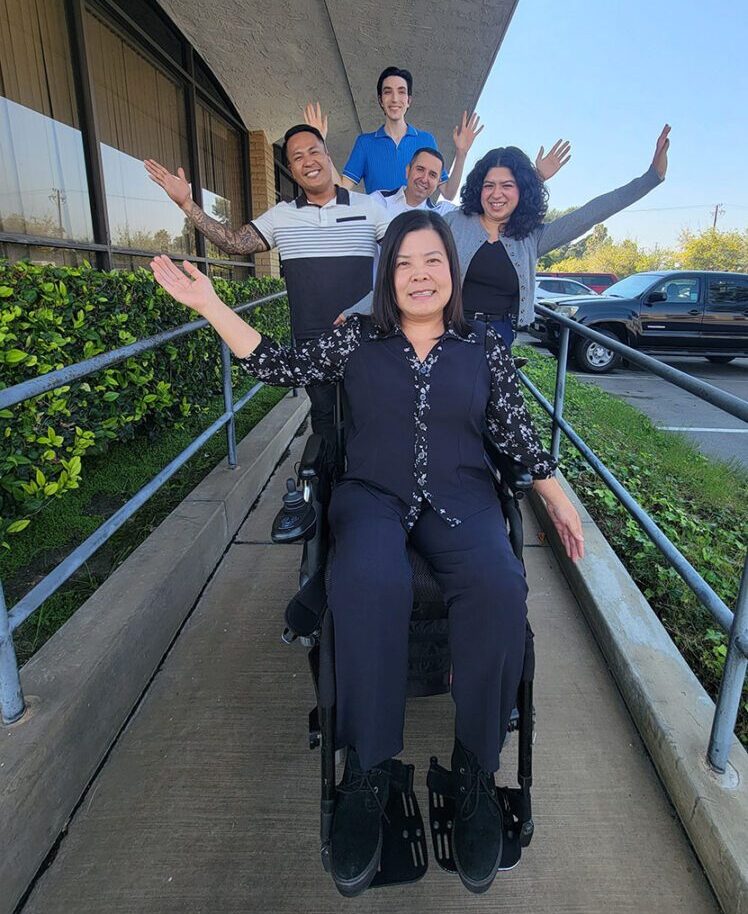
x=593 y=357
x=720 y=359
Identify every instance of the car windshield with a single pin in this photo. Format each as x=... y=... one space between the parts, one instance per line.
x=632 y=286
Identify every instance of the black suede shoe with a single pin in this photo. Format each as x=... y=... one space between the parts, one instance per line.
x=356 y=840
x=478 y=830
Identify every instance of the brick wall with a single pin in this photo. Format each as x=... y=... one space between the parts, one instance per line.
x=262 y=180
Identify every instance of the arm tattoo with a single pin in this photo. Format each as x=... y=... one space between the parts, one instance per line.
x=244 y=240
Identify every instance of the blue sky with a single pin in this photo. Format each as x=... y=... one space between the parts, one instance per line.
x=607 y=75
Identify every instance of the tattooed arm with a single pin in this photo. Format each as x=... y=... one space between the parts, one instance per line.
x=244 y=240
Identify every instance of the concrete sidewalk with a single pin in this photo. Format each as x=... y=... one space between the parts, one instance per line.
x=209 y=802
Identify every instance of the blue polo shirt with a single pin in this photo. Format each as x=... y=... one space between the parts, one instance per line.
x=380 y=163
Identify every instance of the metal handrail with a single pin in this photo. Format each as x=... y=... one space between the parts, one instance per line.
x=12 y=703
x=735 y=624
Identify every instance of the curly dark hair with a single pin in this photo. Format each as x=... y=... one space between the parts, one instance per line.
x=533 y=196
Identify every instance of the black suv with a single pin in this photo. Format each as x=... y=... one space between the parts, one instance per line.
x=670 y=312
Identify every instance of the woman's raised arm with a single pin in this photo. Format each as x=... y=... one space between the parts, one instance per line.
x=571 y=226
x=194 y=289
x=320 y=360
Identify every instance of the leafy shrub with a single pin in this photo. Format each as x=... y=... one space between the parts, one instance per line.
x=52 y=317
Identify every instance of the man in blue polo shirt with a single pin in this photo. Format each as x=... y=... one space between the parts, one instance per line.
x=380 y=159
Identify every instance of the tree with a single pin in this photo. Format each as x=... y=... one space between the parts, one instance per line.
x=713 y=250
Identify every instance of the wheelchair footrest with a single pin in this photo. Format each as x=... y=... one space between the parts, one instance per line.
x=404 y=849
x=442 y=817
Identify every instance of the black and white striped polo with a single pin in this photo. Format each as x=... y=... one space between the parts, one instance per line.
x=327 y=253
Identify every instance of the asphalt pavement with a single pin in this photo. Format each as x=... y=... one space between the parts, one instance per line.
x=713 y=431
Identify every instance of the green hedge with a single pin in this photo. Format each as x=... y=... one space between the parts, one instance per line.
x=51 y=317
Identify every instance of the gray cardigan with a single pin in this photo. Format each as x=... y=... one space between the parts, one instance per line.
x=469 y=235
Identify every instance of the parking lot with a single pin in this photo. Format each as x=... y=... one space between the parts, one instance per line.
x=714 y=432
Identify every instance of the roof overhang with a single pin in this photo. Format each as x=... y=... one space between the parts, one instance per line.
x=272 y=57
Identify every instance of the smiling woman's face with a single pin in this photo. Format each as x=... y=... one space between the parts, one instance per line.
x=423 y=282
x=499 y=195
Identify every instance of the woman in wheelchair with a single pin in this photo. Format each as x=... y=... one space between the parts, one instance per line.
x=421 y=386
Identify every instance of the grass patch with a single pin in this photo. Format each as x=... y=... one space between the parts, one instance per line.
x=109 y=481
x=700 y=503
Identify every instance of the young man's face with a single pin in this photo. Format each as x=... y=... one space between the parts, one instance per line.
x=394 y=99
x=309 y=162
x=423 y=175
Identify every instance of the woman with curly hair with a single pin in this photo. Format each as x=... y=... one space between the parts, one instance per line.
x=500 y=233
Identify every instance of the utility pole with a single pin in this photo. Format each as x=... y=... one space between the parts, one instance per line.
x=59 y=197
x=718 y=211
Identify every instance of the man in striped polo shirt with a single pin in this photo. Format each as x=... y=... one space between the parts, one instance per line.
x=327 y=238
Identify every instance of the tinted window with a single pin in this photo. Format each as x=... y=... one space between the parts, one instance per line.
x=140 y=111
x=728 y=291
x=43 y=185
x=679 y=290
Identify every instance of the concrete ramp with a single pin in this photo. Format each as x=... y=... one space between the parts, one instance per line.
x=208 y=803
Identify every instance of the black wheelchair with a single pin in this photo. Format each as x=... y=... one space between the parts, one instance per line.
x=307 y=622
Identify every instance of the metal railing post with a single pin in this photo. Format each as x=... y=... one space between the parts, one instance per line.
x=12 y=704
x=228 y=399
x=558 y=400
x=731 y=687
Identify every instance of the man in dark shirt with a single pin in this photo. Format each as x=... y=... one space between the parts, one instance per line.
x=327 y=238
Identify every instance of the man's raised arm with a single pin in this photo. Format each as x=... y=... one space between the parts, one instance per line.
x=244 y=240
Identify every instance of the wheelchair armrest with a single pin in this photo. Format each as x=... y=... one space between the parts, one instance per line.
x=515 y=474
x=312 y=460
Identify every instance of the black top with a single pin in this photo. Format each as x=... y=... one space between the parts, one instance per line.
x=415 y=428
x=491 y=285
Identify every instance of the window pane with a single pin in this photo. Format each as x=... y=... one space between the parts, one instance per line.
x=221 y=168
x=226 y=272
x=43 y=186
x=140 y=113
x=680 y=290
x=34 y=253
x=728 y=291
x=130 y=262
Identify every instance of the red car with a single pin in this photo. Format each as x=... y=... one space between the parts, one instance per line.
x=598 y=282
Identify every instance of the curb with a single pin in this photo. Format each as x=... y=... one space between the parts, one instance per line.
x=668 y=704
x=82 y=685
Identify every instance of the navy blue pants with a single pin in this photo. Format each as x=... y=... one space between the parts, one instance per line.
x=371 y=598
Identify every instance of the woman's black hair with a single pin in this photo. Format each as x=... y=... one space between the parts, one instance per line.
x=385 y=310
x=533 y=196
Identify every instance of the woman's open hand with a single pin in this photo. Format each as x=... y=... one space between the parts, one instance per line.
x=564 y=516
x=660 y=157
x=548 y=164
x=191 y=288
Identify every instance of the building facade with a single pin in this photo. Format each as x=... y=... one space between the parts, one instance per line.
x=88 y=89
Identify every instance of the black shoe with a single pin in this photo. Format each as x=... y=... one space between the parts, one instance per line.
x=478 y=830
x=357 y=832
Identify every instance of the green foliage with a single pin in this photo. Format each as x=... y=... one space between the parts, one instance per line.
x=700 y=504
x=598 y=253
x=52 y=317
x=713 y=250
